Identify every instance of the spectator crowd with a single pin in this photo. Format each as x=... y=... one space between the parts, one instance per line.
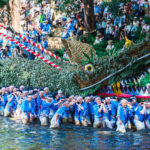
x=38 y=21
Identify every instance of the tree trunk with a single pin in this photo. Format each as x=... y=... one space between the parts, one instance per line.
x=15 y=10
x=89 y=15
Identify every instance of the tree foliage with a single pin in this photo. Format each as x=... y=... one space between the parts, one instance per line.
x=69 y=5
x=114 y=6
x=3 y=3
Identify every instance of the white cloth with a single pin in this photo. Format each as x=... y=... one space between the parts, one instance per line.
x=139 y=125
x=121 y=128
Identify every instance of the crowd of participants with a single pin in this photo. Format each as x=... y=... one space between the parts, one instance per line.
x=54 y=109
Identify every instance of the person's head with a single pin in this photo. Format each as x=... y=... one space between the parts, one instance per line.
x=48 y=5
x=100 y=34
x=41 y=93
x=97 y=37
x=110 y=42
x=69 y=20
x=60 y=93
x=3 y=90
x=7 y=89
x=124 y=103
x=142 y=104
x=105 y=15
x=15 y=90
x=79 y=99
x=29 y=98
x=46 y=90
x=20 y=94
x=7 y=47
x=21 y=88
x=107 y=100
x=11 y=88
x=131 y=23
x=36 y=14
x=49 y=100
x=108 y=21
x=98 y=100
x=95 y=4
x=60 y=12
x=147 y=105
x=66 y=104
x=35 y=95
x=30 y=92
x=65 y=30
x=133 y=100
x=115 y=98
x=71 y=97
x=87 y=99
x=25 y=93
x=116 y=27
x=92 y=98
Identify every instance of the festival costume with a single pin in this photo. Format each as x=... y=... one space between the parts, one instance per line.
x=28 y=110
x=10 y=105
x=56 y=123
x=123 y=114
x=139 y=118
x=44 y=112
x=98 y=116
x=65 y=35
x=81 y=114
x=147 y=118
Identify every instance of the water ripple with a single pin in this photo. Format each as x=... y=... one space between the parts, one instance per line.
x=14 y=135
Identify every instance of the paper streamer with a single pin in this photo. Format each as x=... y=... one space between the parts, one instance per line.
x=34 y=53
x=39 y=46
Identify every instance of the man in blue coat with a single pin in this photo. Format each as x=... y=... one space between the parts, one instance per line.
x=11 y=102
x=139 y=118
x=65 y=35
x=44 y=111
x=122 y=116
x=99 y=110
x=28 y=110
x=47 y=29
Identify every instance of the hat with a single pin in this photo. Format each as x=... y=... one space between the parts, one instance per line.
x=59 y=91
x=35 y=92
x=72 y=16
x=114 y=97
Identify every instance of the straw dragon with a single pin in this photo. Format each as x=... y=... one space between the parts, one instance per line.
x=78 y=78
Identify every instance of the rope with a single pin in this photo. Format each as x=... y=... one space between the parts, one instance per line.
x=32 y=52
x=39 y=46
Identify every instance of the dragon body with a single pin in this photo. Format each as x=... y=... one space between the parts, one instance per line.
x=78 y=78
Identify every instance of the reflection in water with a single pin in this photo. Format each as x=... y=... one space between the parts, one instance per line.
x=18 y=136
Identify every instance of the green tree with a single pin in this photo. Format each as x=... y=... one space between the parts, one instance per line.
x=3 y=3
x=70 y=5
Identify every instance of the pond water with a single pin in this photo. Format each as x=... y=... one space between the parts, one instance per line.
x=14 y=135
